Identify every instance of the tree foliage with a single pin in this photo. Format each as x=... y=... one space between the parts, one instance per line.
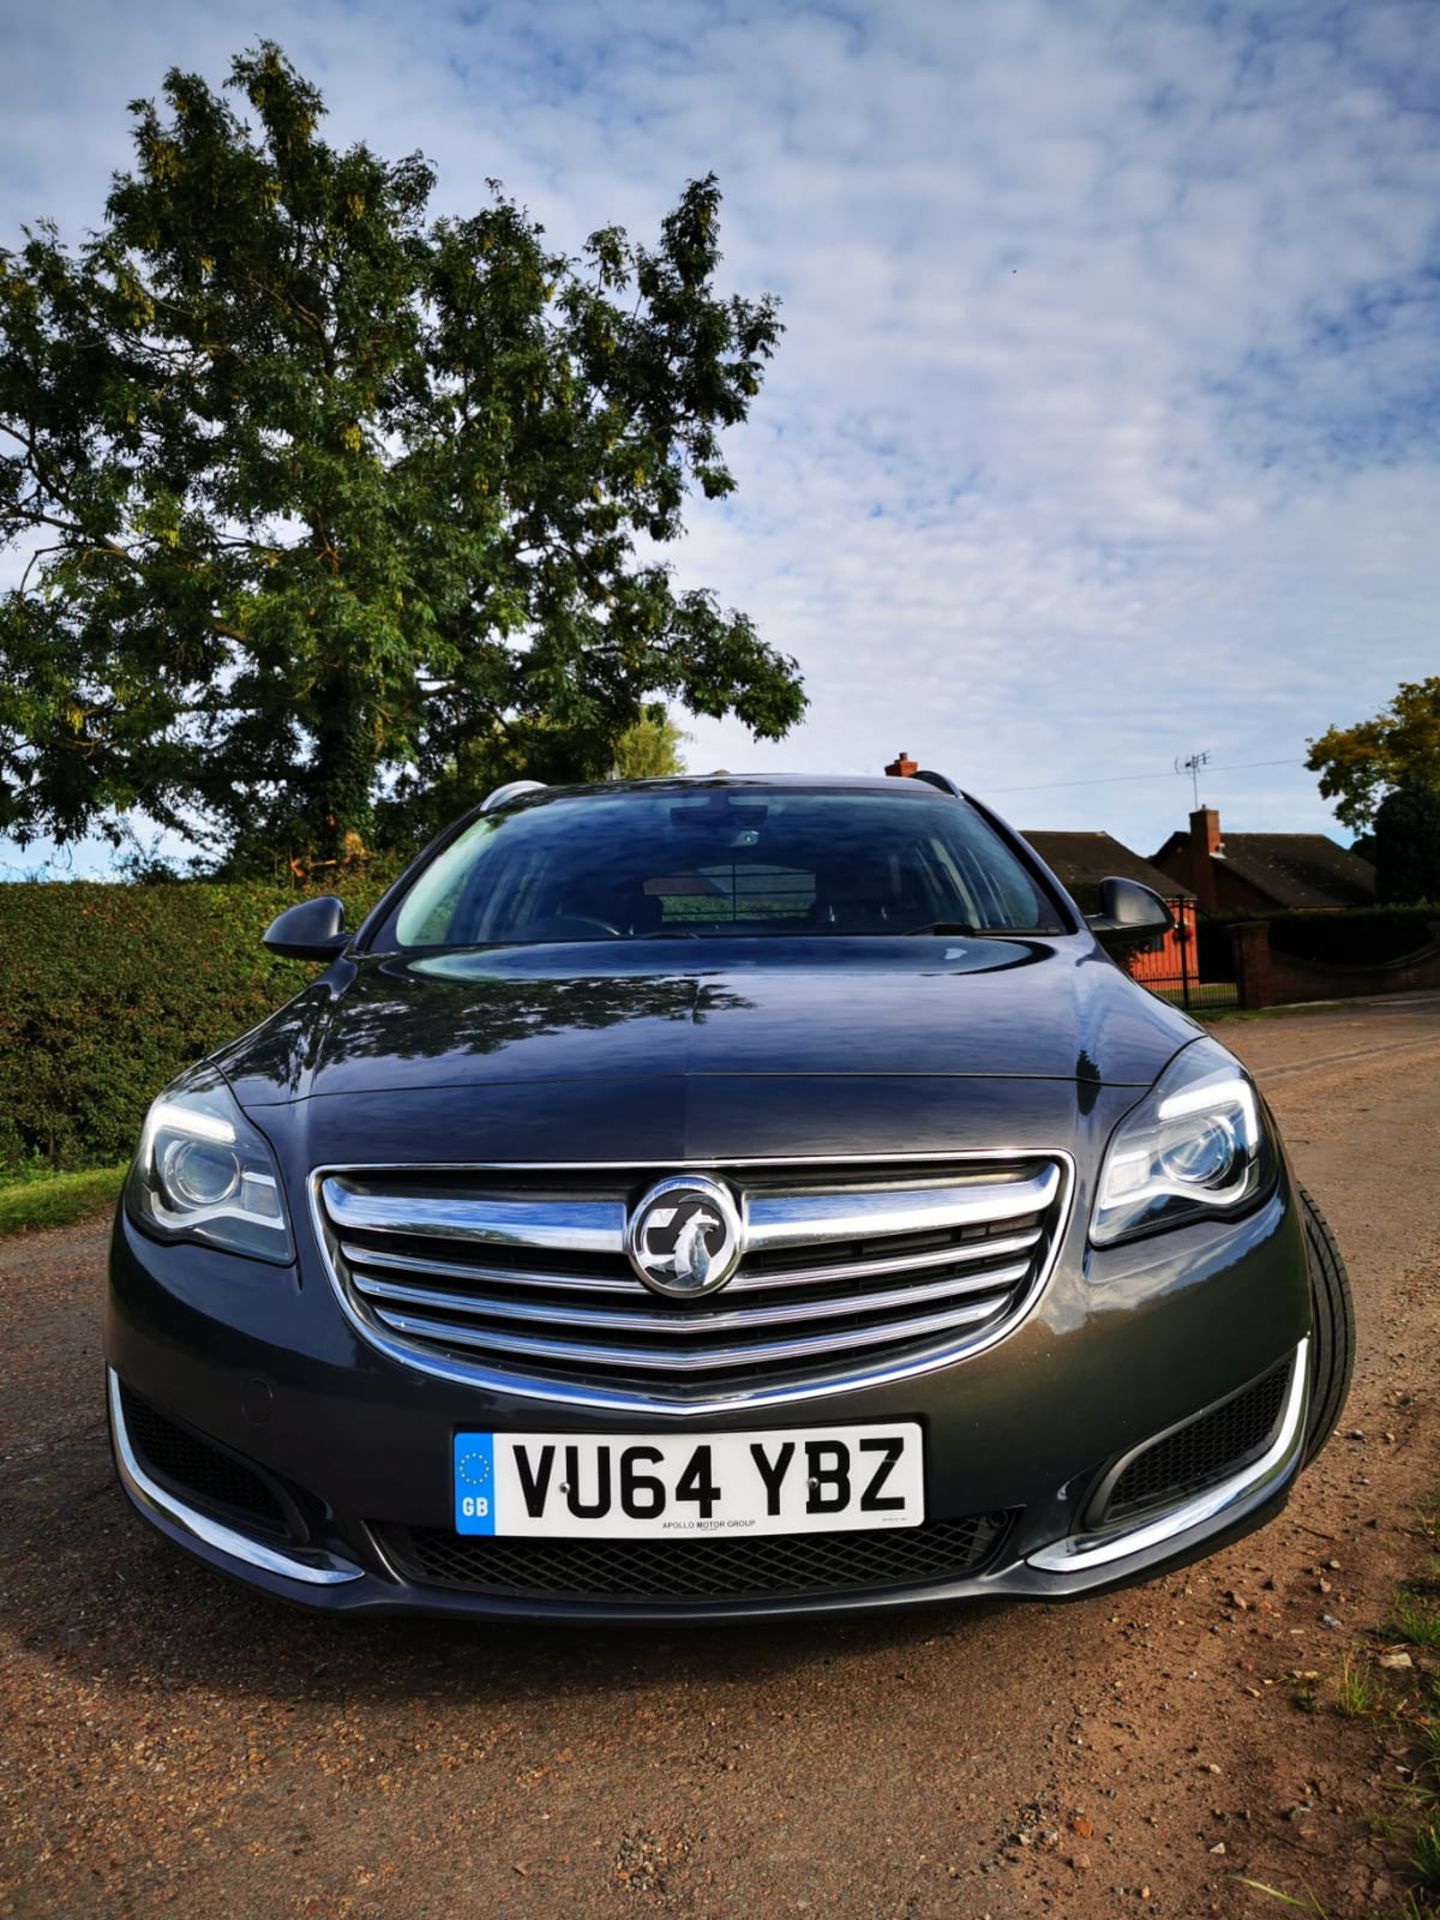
x=1400 y=747
x=322 y=500
x=650 y=749
x=524 y=747
x=1406 y=845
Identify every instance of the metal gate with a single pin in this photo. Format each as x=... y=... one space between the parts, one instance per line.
x=1192 y=966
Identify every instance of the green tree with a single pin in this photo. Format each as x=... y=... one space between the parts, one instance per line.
x=651 y=748
x=1406 y=846
x=1359 y=765
x=528 y=747
x=323 y=501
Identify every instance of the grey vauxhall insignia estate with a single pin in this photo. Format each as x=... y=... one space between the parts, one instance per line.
x=706 y=1198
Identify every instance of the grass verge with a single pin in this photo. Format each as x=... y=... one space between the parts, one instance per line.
x=1415 y=1618
x=28 y=1204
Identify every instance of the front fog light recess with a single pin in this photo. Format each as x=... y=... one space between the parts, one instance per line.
x=1197 y=1144
x=203 y=1172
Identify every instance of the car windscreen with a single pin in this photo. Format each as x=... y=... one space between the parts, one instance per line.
x=748 y=861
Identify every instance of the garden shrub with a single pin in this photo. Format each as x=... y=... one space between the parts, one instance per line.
x=108 y=990
x=1356 y=937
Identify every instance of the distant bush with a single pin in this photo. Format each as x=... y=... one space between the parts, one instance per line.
x=1407 y=844
x=107 y=991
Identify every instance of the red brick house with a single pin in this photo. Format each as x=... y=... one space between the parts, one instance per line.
x=1080 y=861
x=1263 y=872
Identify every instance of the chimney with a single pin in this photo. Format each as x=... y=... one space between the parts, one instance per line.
x=1205 y=843
x=1205 y=830
x=903 y=767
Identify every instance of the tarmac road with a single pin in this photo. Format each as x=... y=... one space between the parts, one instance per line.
x=173 y=1744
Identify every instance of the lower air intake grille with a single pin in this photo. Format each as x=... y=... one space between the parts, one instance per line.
x=676 y=1570
x=1204 y=1451
x=198 y=1470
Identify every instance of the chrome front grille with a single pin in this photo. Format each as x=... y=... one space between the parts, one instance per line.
x=519 y=1276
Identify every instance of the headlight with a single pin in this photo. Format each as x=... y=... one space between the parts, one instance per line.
x=204 y=1173
x=1197 y=1144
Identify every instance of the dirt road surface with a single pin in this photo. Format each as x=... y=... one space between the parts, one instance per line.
x=172 y=1744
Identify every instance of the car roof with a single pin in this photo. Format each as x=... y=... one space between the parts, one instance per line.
x=692 y=782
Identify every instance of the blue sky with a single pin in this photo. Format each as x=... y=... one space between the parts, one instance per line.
x=1106 y=426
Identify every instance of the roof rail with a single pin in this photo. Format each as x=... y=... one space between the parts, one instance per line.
x=940 y=780
x=511 y=790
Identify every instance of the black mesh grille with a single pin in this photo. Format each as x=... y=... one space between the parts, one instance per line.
x=197 y=1469
x=710 y=1569
x=1204 y=1451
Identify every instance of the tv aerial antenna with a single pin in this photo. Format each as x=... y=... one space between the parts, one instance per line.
x=1192 y=764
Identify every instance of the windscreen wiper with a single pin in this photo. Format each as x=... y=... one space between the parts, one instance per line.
x=986 y=933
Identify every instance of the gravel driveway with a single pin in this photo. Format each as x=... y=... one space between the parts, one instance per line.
x=171 y=1743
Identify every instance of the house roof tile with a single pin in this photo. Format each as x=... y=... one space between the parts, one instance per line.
x=1085 y=859
x=1294 y=869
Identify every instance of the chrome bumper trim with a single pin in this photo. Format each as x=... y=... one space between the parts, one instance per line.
x=313 y=1566
x=1079 y=1552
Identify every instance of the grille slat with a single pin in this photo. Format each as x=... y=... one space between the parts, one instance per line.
x=555 y=1226
x=357 y=1256
x=697 y=1359
x=813 y=1219
x=777 y=1565
x=519 y=1274
x=668 y=1324
x=758 y=1280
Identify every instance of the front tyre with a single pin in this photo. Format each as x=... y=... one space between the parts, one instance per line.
x=1332 y=1332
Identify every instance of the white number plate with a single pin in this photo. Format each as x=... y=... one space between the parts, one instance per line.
x=806 y=1480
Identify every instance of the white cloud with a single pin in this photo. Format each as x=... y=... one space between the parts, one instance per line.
x=1105 y=425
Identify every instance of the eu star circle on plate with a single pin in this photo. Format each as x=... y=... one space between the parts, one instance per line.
x=473 y=1468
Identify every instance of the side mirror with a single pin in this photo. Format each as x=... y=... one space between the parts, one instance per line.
x=1129 y=911
x=310 y=930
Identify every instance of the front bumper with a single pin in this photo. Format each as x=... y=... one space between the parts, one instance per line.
x=1119 y=1349
x=1074 y=1565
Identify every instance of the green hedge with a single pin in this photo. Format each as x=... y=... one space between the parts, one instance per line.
x=1358 y=937
x=107 y=991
